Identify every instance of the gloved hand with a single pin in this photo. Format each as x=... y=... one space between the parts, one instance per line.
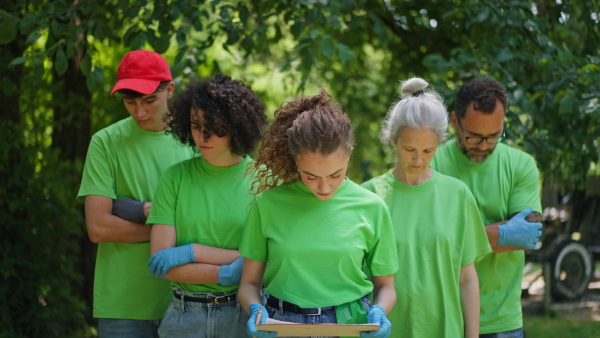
x=251 y=325
x=129 y=209
x=232 y=273
x=376 y=315
x=518 y=232
x=165 y=259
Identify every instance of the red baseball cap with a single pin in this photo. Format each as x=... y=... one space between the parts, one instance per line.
x=142 y=71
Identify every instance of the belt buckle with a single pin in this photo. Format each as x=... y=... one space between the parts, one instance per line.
x=316 y=314
x=216 y=299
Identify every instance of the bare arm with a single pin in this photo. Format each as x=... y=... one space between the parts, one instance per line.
x=469 y=300
x=384 y=292
x=208 y=259
x=103 y=226
x=494 y=234
x=251 y=284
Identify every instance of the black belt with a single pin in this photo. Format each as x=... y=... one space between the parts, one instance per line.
x=287 y=306
x=215 y=299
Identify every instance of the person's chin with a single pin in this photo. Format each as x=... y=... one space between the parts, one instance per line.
x=478 y=157
x=323 y=197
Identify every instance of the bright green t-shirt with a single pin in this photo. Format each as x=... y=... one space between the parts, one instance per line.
x=126 y=161
x=316 y=250
x=438 y=231
x=504 y=184
x=207 y=205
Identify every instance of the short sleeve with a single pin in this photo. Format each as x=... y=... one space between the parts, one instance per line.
x=254 y=243
x=526 y=190
x=98 y=176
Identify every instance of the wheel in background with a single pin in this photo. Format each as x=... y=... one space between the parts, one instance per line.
x=571 y=270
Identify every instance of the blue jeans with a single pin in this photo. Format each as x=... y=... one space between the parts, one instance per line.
x=518 y=333
x=127 y=328
x=324 y=317
x=194 y=319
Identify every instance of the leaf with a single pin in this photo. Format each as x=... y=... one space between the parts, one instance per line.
x=297 y=28
x=86 y=65
x=567 y=102
x=327 y=47
x=70 y=49
x=232 y=37
x=504 y=55
x=484 y=14
x=32 y=38
x=244 y=14
x=60 y=61
x=95 y=81
x=27 y=23
x=17 y=61
x=162 y=43
x=344 y=53
x=57 y=28
x=9 y=26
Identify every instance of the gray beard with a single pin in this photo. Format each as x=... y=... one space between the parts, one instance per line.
x=473 y=159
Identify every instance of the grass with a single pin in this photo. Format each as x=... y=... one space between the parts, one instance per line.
x=549 y=327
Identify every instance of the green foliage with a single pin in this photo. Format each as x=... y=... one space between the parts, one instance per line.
x=58 y=63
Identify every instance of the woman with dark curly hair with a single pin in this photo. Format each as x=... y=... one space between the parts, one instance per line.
x=200 y=208
x=311 y=229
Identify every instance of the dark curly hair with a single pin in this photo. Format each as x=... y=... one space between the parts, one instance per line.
x=230 y=108
x=310 y=124
x=483 y=92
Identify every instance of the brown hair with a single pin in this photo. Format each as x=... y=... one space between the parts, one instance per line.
x=310 y=124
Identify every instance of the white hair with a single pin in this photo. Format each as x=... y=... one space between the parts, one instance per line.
x=420 y=108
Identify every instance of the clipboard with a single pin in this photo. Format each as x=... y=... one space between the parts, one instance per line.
x=289 y=329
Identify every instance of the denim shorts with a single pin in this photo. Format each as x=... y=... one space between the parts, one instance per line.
x=127 y=328
x=518 y=333
x=209 y=320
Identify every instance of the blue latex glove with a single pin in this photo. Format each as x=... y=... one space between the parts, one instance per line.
x=129 y=209
x=251 y=325
x=520 y=233
x=232 y=273
x=164 y=260
x=376 y=315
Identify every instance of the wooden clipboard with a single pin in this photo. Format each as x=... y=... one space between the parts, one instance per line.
x=289 y=329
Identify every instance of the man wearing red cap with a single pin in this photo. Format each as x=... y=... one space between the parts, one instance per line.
x=123 y=166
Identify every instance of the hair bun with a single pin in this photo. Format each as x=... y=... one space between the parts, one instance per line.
x=414 y=85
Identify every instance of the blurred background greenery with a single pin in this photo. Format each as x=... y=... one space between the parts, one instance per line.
x=58 y=62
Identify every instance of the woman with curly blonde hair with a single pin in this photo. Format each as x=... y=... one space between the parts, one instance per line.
x=311 y=229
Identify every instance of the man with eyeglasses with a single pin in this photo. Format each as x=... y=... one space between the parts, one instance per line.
x=504 y=181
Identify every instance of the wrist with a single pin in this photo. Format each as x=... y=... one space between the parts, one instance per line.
x=501 y=234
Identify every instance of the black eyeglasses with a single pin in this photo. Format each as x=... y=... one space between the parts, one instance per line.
x=478 y=139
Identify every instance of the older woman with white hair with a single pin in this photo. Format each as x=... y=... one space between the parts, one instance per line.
x=438 y=228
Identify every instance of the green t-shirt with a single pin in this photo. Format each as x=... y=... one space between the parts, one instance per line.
x=126 y=161
x=438 y=231
x=207 y=205
x=316 y=250
x=505 y=183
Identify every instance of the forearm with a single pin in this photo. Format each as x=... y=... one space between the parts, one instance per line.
x=251 y=283
x=248 y=293
x=194 y=273
x=216 y=256
x=102 y=226
x=384 y=292
x=493 y=233
x=469 y=301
